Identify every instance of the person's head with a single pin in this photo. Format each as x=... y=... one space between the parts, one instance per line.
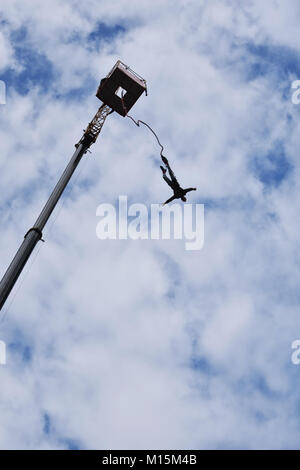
x=183 y=198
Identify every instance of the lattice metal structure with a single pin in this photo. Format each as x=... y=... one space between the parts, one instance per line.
x=94 y=128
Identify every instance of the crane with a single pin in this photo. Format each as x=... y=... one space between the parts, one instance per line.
x=118 y=91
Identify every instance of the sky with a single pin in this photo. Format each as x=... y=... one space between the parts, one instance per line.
x=141 y=344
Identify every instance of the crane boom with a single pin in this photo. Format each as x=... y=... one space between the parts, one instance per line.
x=35 y=233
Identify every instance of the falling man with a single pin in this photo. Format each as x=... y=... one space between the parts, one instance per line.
x=179 y=193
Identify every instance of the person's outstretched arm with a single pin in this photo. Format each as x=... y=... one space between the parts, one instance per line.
x=169 y=200
x=189 y=189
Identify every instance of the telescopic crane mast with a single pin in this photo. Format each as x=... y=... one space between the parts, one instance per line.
x=120 y=77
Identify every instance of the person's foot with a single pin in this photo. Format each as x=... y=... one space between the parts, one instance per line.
x=163 y=169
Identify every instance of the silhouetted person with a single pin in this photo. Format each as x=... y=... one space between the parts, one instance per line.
x=179 y=193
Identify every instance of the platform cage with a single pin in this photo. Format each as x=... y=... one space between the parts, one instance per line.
x=121 y=88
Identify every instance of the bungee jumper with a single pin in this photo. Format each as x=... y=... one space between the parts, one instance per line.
x=179 y=193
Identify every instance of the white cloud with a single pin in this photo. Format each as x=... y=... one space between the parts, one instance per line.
x=114 y=326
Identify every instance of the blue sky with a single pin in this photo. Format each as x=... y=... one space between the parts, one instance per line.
x=141 y=344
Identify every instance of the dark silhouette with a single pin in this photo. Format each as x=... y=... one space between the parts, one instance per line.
x=179 y=193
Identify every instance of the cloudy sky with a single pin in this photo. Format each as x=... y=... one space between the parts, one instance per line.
x=138 y=344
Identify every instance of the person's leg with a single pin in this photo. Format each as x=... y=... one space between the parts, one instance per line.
x=172 y=176
x=172 y=183
x=175 y=183
x=168 y=181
